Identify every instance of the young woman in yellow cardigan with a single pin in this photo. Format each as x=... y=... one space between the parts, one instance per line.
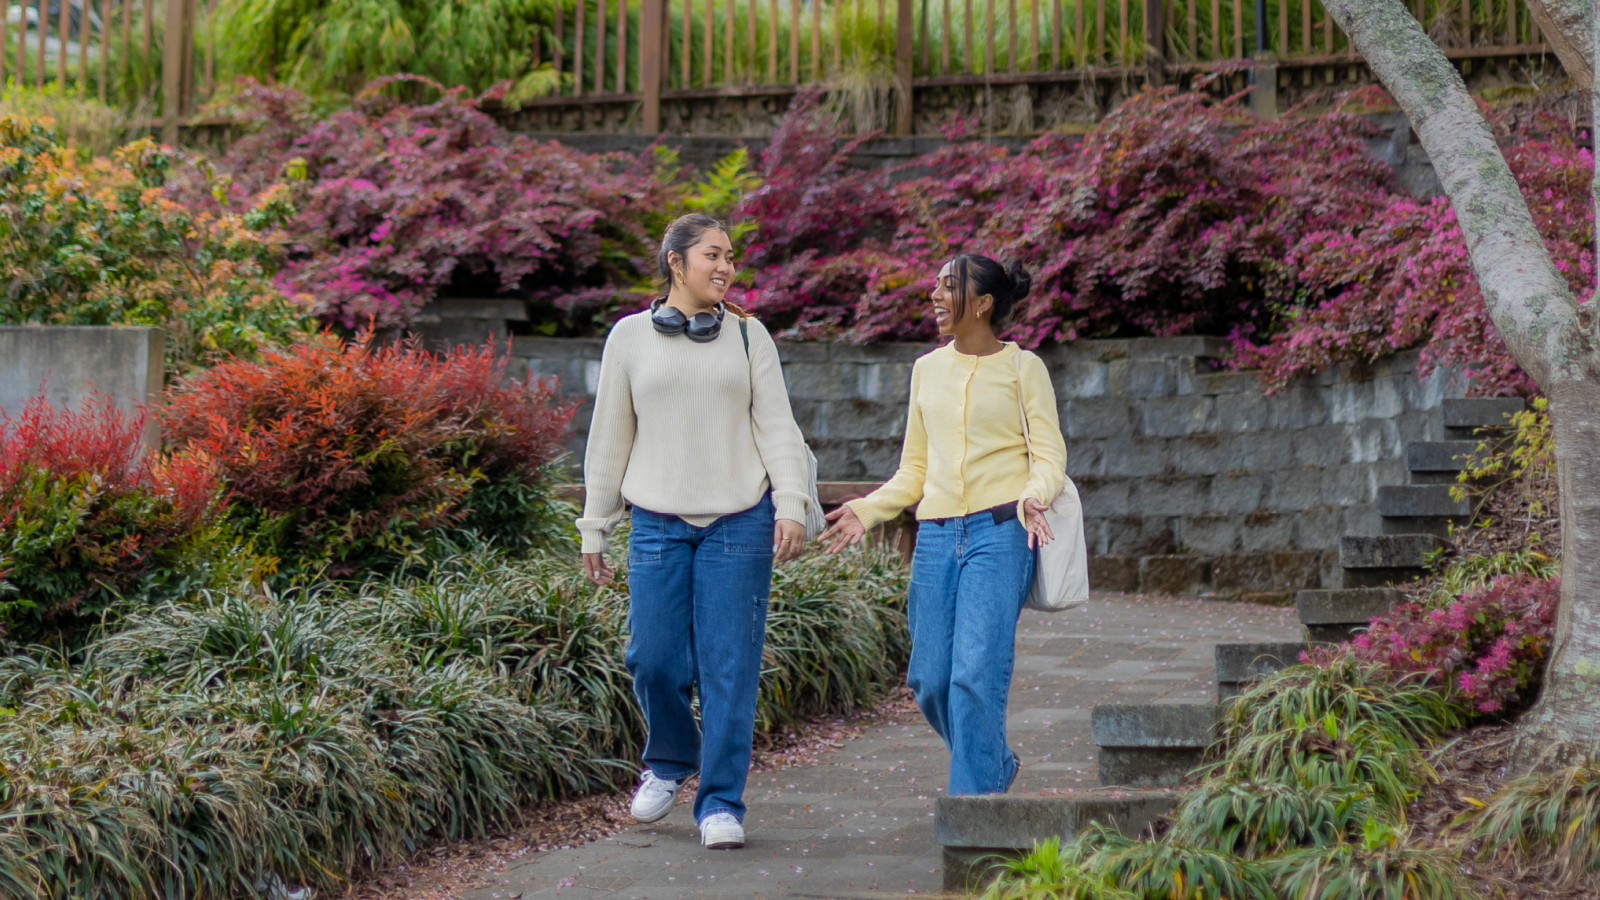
x=980 y=509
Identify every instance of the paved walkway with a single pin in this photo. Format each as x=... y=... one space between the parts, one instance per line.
x=860 y=823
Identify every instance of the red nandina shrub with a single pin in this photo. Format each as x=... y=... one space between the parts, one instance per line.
x=89 y=522
x=1404 y=278
x=355 y=457
x=402 y=201
x=1487 y=646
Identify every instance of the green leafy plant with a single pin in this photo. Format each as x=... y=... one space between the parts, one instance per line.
x=1549 y=822
x=1253 y=819
x=1168 y=868
x=1525 y=459
x=1380 y=867
x=1468 y=573
x=104 y=243
x=1044 y=874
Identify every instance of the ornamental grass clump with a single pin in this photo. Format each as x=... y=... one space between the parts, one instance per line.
x=1252 y=819
x=349 y=459
x=1548 y=823
x=245 y=740
x=90 y=524
x=1378 y=866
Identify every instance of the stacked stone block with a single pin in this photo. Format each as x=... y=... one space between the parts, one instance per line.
x=1194 y=480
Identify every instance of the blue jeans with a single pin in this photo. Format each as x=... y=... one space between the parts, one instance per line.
x=697 y=618
x=969 y=579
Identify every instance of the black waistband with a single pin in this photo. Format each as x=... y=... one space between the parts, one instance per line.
x=1000 y=513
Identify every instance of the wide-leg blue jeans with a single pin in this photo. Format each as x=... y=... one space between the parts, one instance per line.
x=969 y=579
x=697 y=618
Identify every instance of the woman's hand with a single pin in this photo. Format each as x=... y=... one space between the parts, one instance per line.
x=1039 y=532
x=596 y=570
x=846 y=530
x=788 y=540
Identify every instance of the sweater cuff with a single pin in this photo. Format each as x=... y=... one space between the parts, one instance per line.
x=594 y=535
x=790 y=505
x=869 y=514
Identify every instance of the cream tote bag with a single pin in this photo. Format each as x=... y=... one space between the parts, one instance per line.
x=1061 y=567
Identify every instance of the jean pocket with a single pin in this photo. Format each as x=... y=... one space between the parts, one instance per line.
x=747 y=535
x=645 y=540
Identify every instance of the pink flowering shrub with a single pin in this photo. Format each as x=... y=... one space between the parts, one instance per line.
x=1487 y=646
x=1176 y=215
x=1404 y=279
x=401 y=201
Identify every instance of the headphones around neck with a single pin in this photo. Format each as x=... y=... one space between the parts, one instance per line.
x=702 y=328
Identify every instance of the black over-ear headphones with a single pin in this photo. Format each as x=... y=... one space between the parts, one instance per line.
x=702 y=328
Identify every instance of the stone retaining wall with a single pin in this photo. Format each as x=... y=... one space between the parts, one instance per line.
x=1193 y=480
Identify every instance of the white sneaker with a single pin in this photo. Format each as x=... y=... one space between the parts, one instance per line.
x=653 y=799
x=721 y=831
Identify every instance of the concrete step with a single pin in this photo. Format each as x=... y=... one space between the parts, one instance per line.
x=1334 y=615
x=1463 y=416
x=1438 y=462
x=1379 y=559
x=973 y=830
x=1145 y=745
x=1420 y=501
x=1438 y=526
x=1240 y=665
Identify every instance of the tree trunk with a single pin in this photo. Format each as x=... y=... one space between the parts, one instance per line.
x=1564 y=25
x=1536 y=315
x=1564 y=727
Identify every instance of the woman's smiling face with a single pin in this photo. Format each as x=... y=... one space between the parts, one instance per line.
x=708 y=268
x=944 y=299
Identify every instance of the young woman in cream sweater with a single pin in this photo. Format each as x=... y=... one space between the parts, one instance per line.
x=692 y=426
x=980 y=506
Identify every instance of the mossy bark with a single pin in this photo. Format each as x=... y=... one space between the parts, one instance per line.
x=1551 y=337
x=1564 y=25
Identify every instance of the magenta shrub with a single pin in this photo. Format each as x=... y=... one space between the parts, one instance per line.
x=401 y=201
x=1176 y=215
x=1404 y=279
x=1487 y=646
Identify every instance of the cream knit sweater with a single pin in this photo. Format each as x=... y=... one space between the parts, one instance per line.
x=675 y=431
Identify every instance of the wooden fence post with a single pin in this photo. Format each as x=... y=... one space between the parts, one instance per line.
x=1155 y=31
x=902 y=68
x=652 y=18
x=172 y=46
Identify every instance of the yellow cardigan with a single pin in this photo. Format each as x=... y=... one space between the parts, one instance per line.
x=964 y=451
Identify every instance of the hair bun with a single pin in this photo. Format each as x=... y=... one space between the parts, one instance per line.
x=1021 y=280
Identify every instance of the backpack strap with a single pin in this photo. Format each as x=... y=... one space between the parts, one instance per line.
x=744 y=335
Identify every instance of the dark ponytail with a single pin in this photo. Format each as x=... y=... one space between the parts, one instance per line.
x=978 y=275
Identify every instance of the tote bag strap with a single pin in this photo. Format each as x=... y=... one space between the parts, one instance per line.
x=1022 y=409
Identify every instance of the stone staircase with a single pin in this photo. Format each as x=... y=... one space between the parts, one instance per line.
x=1416 y=517
x=1144 y=750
